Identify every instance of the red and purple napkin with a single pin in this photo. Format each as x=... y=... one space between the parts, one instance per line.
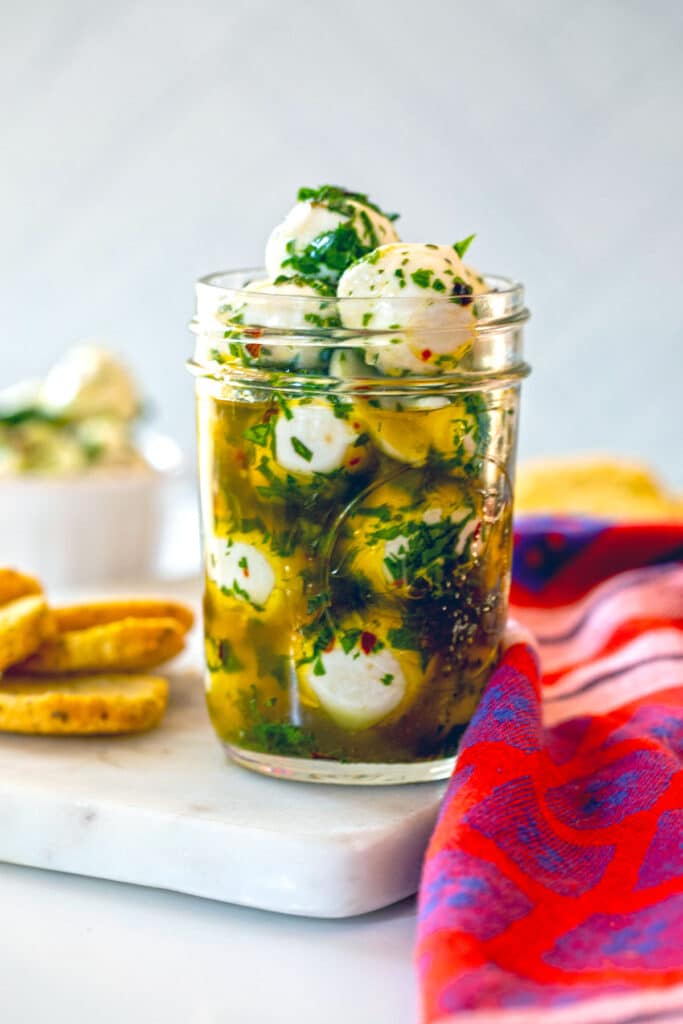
x=552 y=890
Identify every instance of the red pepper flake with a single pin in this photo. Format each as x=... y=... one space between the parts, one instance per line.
x=253 y=332
x=426 y=354
x=354 y=461
x=356 y=425
x=245 y=572
x=253 y=349
x=368 y=642
x=241 y=458
x=330 y=646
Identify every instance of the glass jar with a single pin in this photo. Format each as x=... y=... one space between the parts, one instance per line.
x=357 y=524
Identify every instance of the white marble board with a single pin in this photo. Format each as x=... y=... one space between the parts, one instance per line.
x=164 y=809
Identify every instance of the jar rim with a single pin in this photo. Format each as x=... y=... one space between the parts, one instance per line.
x=281 y=333
x=501 y=303
x=237 y=278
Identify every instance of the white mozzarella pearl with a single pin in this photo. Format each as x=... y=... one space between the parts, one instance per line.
x=308 y=220
x=288 y=306
x=311 y=439
x=276 y=309
x=240 y=568
x=357 y=689
x=409 y=286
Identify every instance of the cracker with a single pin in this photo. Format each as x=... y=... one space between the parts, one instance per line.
x=83 y=706
x=99 y=613
x=15 y=584
x=594 y=485
x=25 y=624
x=129 y=645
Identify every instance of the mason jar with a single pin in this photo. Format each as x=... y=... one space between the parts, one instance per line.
x=356 y=503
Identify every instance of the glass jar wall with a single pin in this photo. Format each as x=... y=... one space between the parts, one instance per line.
x=357 y=532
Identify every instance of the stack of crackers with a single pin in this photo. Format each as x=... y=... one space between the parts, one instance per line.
x=82 y=669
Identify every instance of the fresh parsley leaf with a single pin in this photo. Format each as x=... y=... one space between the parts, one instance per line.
x=259 y=434
x=403 y=638
x=301 y=449
x=348 y=639
x=421 y=277
x=462 y=247
x=337 y=199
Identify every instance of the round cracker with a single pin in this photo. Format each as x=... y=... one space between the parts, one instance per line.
x=81 y=707
x=129 y=645
x=99 y=613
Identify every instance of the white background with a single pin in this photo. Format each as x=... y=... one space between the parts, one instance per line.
x=145 y=144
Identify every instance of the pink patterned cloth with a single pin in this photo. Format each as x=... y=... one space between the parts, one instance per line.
x=552 y=889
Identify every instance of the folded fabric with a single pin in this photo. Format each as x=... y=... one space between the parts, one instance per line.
x=553 y=885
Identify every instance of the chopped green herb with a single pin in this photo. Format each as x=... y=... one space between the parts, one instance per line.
x=322 y=321
x=316 y=602
x=403 y=638
x=259 y=434
x=273 y=737
x=288 y=414
x=349 y=639
x=421 y=277
x=337 y=199
x=462 y=247
x=301 y=449
x=322 y=287
x=331 y=252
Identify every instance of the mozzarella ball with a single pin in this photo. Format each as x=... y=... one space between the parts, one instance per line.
x=416 y=288
x=307 y=231
x=401 y=435
x=241 y=569
x=404 y=544
x=354 y=675
x=286 y=305
x=307 y=450
x=312 y=439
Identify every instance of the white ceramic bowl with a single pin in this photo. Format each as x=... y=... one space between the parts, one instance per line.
x=95 y=527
